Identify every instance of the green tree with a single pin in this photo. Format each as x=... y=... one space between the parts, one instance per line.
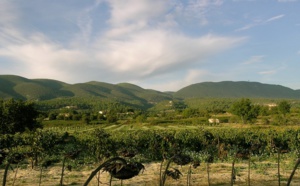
x=86 y=118
x=141 y=118
x=264 y=111
x=280 y=113
x=179 y=105
x=190 y=112
x=245 y=110
x=52 y=116
x=17 y=116
x=112 y=116
x=284 y=107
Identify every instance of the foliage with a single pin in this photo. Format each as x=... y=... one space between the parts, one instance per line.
x=99 y=144
x=284 y=107
x=245 y=110
x=17 y=116
x=205 y=144
x=141 y=118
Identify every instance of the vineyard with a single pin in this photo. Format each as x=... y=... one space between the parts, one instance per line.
x=174 y=143
x=171 y=153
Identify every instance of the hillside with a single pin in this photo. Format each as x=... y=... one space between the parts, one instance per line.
x=22 y=88
x=46 y=89
x=230 y=89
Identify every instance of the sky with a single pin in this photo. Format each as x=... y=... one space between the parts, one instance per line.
x=156 y=44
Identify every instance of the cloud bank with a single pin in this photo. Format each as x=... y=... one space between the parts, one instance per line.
x=138 y=40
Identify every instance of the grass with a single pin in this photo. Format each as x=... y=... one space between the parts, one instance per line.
x=264 y=173
x=61 y=123
x=78 y=126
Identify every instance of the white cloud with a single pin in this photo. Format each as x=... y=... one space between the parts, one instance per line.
x=274 y=70
x=8 y=12
x=131 y=11
x=150 y=52
x=169 y=82
x=197 y=9
x=120 y=32
x=243 y=0
x=286 y=1
x=141 y=55
x=42 y=58
x=259 y=22
x=268 y=72
x=85 y=22
x=254 y=59
x=136 y=45
x=275 y=18
x=246 y=27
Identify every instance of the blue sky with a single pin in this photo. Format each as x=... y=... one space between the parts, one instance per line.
x=157 y=44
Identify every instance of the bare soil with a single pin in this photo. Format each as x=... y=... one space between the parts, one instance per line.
x=220 y=174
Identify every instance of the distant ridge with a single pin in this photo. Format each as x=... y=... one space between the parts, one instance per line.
x=238 y=89
x=45 y=89
x=12 y=86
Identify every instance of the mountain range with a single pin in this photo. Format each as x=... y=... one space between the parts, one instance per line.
x=12 y=86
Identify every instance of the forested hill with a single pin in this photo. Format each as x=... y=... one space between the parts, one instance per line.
x=46 y=89
x=230 y=89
